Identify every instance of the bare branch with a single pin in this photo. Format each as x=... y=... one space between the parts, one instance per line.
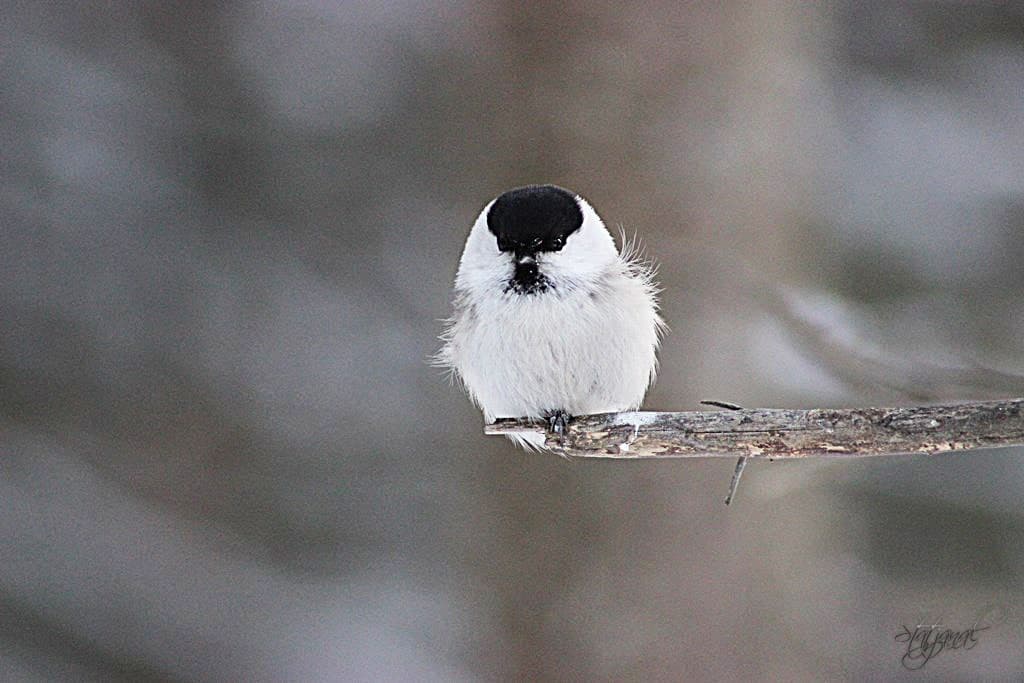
x=773 y=433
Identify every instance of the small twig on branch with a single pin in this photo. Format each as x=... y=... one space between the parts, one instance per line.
x=774 y=433
x=741 y=461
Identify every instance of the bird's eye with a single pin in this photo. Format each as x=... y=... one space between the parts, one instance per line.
x=537 y=241
x=503 y=244
x=557 y=244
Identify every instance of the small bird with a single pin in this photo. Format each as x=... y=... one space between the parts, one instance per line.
x=550 y=319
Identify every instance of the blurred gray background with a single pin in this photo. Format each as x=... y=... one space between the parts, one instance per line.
x=228 y=236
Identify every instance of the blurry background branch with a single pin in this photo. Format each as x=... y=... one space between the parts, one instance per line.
x=778 y=433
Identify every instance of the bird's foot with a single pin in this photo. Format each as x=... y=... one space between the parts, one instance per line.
x=558 y=423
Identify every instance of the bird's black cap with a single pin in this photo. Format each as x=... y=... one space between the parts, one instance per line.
x=534 y=218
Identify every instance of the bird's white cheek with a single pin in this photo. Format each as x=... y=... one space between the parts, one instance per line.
x=568 y=267
x=485 y=272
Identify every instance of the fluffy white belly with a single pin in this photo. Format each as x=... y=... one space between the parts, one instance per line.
x=582 y=353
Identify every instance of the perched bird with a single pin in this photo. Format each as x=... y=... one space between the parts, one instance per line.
x=550 y=319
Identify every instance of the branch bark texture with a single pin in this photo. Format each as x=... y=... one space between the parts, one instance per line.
x=777 y=433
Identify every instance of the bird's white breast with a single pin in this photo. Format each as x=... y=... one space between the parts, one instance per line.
x=583 y=351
